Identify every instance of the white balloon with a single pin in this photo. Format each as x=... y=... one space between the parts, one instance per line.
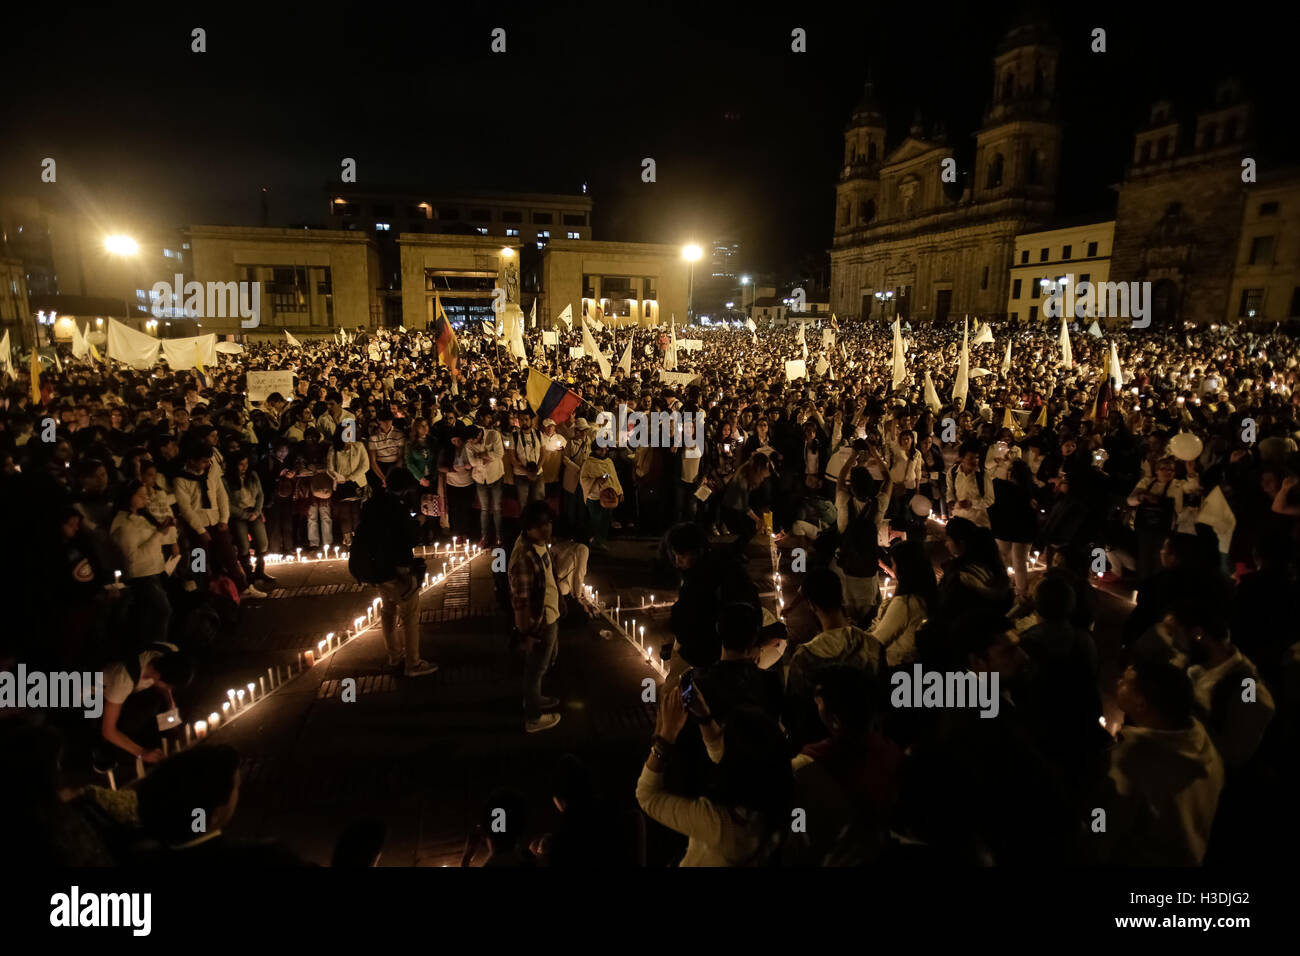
x=1185 y=446
x=921 y=505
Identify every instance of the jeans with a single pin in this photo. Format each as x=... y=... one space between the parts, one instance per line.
x=529 y=489
x=402 y=594
x=153 y=611
x=240 y=530
x=320 y=523
x=536 y=664
x=492 y=492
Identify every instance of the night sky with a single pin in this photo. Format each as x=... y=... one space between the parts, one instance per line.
x=140 y=124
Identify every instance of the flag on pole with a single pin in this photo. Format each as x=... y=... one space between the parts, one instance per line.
x=79 y=342
x=931 y=394
x=589 y=346
x=550 y=399
x=961 y=386
x=532 y=314
x=983 y=335
x=1116 y=373
x=1094 y=330
x=567 y=316
x=900 y=368
x=1042 y=416
x=6 y=356
x=515 y=332
x=670 y=358
x=94 y=354
x=199 y=371
x=1006 y=360
x=1067 y=354
x=448 y=347
x=802 y=342
x=625 y=363
x=291 y=340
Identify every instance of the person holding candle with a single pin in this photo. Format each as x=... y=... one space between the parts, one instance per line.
x=129 y=711
x=140 y=540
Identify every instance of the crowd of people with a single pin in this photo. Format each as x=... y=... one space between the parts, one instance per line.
x=1117 y=545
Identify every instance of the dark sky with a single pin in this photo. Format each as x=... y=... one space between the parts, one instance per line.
x=584 y=92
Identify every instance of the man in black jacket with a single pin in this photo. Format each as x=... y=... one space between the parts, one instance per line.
x=388 y=532
x=710 y=580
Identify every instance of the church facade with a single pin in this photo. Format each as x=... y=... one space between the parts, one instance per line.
x=910 y=238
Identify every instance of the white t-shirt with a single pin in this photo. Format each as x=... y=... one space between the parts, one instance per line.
x=118 y=685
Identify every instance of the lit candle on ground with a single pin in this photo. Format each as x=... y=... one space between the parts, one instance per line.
x=270 y=678
x=643 y=634
x=311 y=658
x=231 y=694
x=240 y=698
x=329 y=638
x=336 y=552
x=262 y=681
x=187 y=735
x=298 y=553
x=321 y=646
x=250 y=692
x=117 y=577
x=300 y=660
x=320 y=556
x=214 y=718
x=200 y=729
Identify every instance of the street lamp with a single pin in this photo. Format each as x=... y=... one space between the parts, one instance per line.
x=121 y=245
x=744 y=280
x=884 y=297
x=692 y=254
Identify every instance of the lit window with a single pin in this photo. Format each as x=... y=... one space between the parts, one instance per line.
x=543 y=233
x=512 y=232
x=482 y=230
x=574 y=235
x=382 y=227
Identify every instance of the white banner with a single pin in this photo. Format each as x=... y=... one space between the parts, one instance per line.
x=576 y=351
x=690 y=345
x=262 y=384
x=130 y=347
x=190 y=351
x=677 y=378
x=550 y=337
x=796 y=368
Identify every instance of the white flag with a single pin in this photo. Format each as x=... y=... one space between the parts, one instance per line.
x=625 y=363
x=931 y=395
x=1067 y=354
x=802 y=342
x=1116 y=373
x=589 y=347
x=80 y=348
x=983 y=335
x=670 y=359
x=532 y=315
x=291 y=340
x=1094 y=330
x=961 y=387
x=6 y=356
x=900 y=368
x=567 y=316
x=1006 y=360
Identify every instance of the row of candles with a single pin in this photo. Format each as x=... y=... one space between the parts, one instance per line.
x=456 y=547
x=239 y=700
x=626 y=625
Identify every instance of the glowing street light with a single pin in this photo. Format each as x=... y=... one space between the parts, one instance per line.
x=507 y=252
x=121 y=245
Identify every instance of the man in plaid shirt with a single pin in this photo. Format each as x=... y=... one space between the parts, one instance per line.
x=536 y=599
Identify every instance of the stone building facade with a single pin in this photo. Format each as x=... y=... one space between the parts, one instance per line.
x=1179 y=215
x=942 y=248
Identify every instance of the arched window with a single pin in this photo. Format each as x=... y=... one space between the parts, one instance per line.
x=866 y=210
x=995 y=172
x=1008 y=86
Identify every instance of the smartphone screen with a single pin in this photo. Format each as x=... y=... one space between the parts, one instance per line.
x=688 y=688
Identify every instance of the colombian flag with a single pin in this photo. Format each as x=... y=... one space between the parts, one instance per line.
x=550 y=399
x=448 y=347
x=200 y=373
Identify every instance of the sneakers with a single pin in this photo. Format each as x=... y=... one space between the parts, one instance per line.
x=420 y=668
x=544 y=722
x=252 y=592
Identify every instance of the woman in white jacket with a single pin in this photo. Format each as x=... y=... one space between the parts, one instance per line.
x=140 y=539
x=902 y=615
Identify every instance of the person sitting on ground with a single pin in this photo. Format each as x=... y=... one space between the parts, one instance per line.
x=902 y=614
x=186 y=804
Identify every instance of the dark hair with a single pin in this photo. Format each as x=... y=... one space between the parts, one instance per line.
x=1198 y=611
x=199 y=779
x=847 y=693
x=124 y=495
x=174 y=668
x=86 y=467
x=1054 y=599
x=535 y=514
x=754 y=772
x=400 y=481
x=823 y=589
x=915 y=572
x=738 y=625
x=686 y=538
x=1163 y=685
x=975 y=633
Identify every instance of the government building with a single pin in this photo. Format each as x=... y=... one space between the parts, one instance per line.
x=910 y=223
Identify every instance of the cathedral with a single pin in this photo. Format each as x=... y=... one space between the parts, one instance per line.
x=910 y=239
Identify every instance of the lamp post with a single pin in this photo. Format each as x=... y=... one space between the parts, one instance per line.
x=883 y=298
x=692 y=254
x=123 y=247
x=744 y=280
